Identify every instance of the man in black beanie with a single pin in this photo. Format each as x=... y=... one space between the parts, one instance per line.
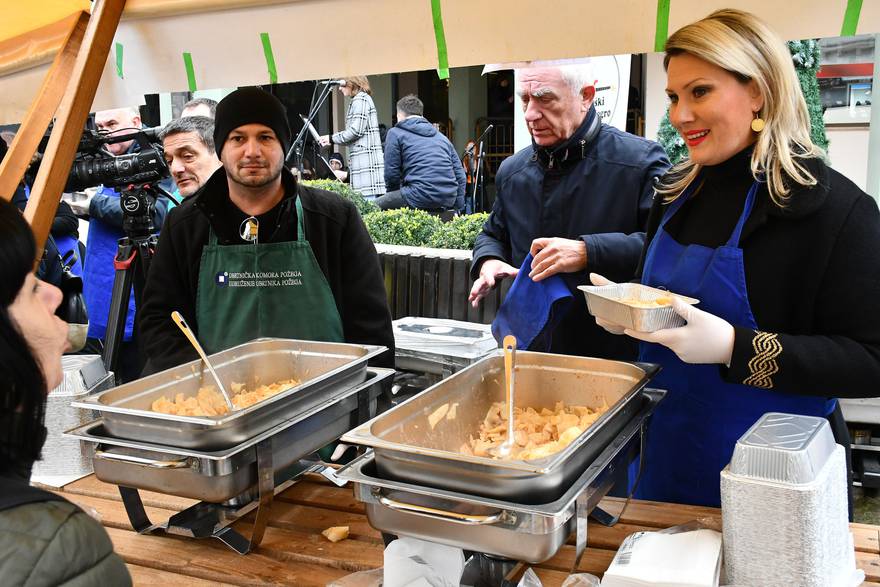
x=255 y=254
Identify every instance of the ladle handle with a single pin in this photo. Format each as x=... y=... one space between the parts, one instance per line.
x=509 y=344
x=184 y=327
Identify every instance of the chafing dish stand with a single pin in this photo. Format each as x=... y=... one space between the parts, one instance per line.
x=214 y=520
x=501 y=533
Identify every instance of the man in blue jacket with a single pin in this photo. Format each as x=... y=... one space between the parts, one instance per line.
x=577 y=199
x=422 y=169
x=105 y=229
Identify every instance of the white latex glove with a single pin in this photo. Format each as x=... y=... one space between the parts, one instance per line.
x=80 y=206
x=491 y=271
x=611 y=327
x=340 y=450
x=705 y=339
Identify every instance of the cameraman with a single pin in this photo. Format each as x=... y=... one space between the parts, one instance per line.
x=105 y=229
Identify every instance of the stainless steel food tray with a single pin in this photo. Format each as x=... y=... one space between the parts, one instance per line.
x=219 y=476
x=323 y=368
x=607 y=302
x=509 y=529
x=407 y=449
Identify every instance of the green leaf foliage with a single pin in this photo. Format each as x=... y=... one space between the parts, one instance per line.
x=460 y=233
x=417 y=228
x=363 y=205
x=403 y=226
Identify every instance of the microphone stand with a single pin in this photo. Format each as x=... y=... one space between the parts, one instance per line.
x=478 y=171
x=297 y=147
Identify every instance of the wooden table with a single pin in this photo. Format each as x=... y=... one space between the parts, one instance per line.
x=294 y=552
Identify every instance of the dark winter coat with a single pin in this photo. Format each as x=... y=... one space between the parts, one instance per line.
x=334 y=229
x=423 y=165
x=598 y=191
x=812 y=273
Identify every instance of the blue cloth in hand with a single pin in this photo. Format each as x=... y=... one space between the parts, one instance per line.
x=531 y=310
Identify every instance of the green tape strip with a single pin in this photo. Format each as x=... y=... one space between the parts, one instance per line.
x=270 y=58
x=442 y=59
x=190 y=72
x=851 y=18
x=119 y=60
x=662 y=31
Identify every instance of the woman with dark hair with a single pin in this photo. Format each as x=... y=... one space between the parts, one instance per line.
x=45 y=540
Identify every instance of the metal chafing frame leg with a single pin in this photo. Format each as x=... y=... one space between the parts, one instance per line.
x=600 y=515
x=204 y=520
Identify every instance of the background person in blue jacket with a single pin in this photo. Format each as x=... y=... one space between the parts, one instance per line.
x=105 y=229
x=422 y=169
x=577 y=198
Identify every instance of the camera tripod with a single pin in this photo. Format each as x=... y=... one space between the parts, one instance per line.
x=132 y=263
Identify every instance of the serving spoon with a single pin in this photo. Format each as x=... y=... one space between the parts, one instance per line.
x=181 y=323
x=502 y=451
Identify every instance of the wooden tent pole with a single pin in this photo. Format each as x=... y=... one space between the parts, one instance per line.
x=42 y=109
x=72 y=113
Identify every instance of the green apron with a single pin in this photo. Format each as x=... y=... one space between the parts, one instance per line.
x=254 y=290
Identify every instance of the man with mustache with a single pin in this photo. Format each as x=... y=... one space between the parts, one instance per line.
x=577 y=199
x=189 y=152
x=254 y=254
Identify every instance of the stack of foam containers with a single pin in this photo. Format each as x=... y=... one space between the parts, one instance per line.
x=784 y=507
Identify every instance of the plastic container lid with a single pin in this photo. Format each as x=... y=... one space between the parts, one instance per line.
x=784 y=448
x=440 y=337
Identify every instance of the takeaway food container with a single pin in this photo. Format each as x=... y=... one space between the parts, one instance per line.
x=507 y=528
x=219 y=476
x=439 y=346
x=618 y=303
x=409 y=449
x=321 y=368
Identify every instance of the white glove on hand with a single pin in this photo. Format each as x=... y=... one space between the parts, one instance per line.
x=611 y=327
x=705 y=339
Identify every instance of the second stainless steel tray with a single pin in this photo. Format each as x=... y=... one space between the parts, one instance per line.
x=526 y=532
x=408 y=449
x=322 y=368
x=218 y=476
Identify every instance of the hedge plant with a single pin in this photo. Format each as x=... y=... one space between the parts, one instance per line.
x=404 y=226
x=460 y=233
x=363 y=205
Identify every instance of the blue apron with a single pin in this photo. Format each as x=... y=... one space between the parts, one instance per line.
x=693 y=431
x=99 y=272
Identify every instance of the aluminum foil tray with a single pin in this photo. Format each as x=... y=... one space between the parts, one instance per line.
x=322 y=368
x=408 y=449
x=219 y=476
x=609 y=302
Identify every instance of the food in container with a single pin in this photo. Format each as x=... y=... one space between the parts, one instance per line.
x=634 y=306
x=537 y=433
x=209 y=402
x=409 y=450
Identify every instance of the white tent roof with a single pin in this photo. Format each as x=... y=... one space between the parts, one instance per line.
x=314 y=39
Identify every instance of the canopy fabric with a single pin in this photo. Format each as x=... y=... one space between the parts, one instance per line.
x=314 y=39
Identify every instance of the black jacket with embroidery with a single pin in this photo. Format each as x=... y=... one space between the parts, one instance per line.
x=334 y=229
x=813 y=276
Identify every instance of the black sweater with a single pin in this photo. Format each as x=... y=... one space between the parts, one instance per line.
x=334 y=229
x=812 y=272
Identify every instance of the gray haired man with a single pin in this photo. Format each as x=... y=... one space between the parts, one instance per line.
x=189 y=152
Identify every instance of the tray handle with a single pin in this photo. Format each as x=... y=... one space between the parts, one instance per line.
x=466 y=519
x=180 y=463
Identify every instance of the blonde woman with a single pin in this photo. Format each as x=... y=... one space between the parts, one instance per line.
x=780 y=249
x=366 y=161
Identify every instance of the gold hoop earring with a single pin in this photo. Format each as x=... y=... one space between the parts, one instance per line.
x=757 y=123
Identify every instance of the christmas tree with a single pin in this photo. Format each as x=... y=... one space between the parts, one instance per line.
x=805 y=55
